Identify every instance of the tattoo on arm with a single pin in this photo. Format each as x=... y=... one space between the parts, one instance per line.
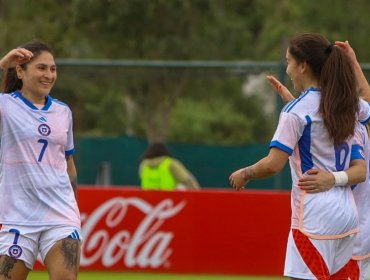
x=249 y=173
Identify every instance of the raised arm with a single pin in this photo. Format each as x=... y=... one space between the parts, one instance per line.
x=15 y=57
x=362 y=82
x=284 y=93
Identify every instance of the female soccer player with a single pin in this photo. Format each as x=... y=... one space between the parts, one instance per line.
x=38 y=208
x=319 y=180
x=315 y=131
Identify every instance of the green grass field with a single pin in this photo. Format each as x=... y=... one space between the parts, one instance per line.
x=38 y=275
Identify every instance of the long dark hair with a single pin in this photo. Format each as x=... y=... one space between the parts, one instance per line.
x=10 y=80
x=332 y=68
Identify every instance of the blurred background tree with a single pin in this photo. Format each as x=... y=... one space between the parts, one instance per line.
x=183 y=105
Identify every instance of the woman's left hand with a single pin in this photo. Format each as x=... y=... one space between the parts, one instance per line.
x=316 y=181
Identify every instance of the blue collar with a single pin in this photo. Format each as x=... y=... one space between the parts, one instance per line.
x=47 y=105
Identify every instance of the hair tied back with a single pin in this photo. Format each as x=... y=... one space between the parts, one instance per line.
x=329 y=48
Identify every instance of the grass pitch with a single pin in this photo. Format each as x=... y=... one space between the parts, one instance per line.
x=40 y=275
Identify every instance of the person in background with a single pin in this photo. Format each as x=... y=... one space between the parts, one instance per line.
x=320 y=180
x=38 y=179
x=319 y=129
x=159 y=171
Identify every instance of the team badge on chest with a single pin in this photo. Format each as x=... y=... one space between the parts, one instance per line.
x=44 y=129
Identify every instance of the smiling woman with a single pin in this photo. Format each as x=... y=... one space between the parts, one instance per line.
x=37 y=169
x=37 y=78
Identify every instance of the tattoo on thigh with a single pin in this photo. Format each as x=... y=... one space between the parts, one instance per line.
x=70 y=252
x=6 y=266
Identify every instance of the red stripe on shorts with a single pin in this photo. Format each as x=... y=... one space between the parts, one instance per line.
x=349 y=271
x=311 y=255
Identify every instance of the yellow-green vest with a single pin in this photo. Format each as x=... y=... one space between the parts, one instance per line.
x=158 y=177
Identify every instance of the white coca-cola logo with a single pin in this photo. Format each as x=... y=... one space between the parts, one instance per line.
x=146 y=246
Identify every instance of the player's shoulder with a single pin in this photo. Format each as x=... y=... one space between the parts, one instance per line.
x=364 y=111
x=361 y=132
x=57 y=101
x=60 y=104
x=307 y=103
x=6 y=97
x=177 y=164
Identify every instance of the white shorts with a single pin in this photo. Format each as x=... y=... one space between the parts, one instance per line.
x=26 y=242
x=364 y=267
x=308 y=258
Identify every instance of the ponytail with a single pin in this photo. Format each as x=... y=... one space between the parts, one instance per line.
x=10 y=81
x=339 y=97
x=337 y=81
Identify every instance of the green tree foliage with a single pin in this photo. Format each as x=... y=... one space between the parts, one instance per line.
x=192 y=122
x=182 y=104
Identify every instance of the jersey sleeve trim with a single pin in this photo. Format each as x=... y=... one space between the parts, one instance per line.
x=357 y=152
x=365 y=121
x=280 y=146
x=364 y=111
x=70 y=152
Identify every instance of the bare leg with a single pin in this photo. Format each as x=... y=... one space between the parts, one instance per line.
x=63 y=259
x=12 y=269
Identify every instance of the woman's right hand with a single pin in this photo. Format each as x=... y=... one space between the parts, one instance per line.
x=284 y=93
x=15 y=57
x=348 y=50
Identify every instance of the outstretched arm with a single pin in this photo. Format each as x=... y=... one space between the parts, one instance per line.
x=270 y=165
x=274 y=162
x=15 y=57
x=362 y=83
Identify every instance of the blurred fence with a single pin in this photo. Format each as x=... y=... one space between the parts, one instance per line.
x=113 y=159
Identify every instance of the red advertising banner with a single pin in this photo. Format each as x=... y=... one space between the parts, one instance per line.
x=223 y=232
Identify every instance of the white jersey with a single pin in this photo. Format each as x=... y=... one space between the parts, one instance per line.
x=34 y=184
x=302 y=134
x=361 y=193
